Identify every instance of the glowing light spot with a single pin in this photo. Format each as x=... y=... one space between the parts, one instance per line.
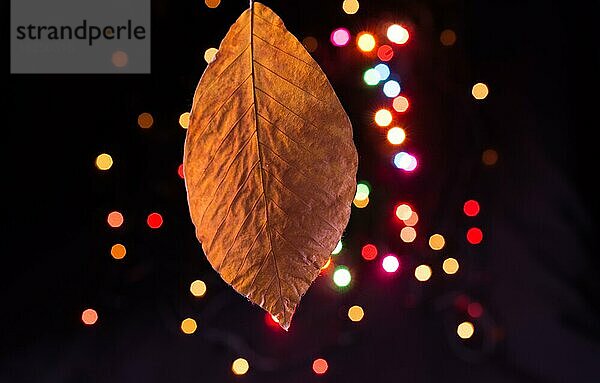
x=240 y=366
x=337 y=249
x=397 y=34
x=403 y=211
x=154 y=220
x=145 y=120
x=340 y=37
x=350 y=6
x=385 y=53
x=356 y=313
x=104 y=161
x=383 y=70
x=326 y=265
x=212 y=3
x=365 y=42
x=405 y=161
x=369 y=252
x=361 y=203
x=311 y=44
x=400 y=104
x=184 y=120
x=118 y=251
x=390 y=263
x=198 y=288
x=391 y=89
x=475 y=310
x=480 y=91
x=450 y=266
x=180 y=171
x=115 y=219
x=272 y=321
x=408 y=234
x=471 y=208
x=474 y=236
x=120 y=59
x=383 y=117
x=423 y=273
x=489 y=157
x=437 y=242
x=89 y=316
x=188 y=326
x=447 y=37
x=371 y=77
x=412 y=220
x=320 y=366
x=210 y=54
x=465 y=330
x=342 y=276
x=362 y=191
x=396 y=136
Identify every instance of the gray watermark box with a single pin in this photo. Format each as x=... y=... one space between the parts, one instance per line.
x=80 y=36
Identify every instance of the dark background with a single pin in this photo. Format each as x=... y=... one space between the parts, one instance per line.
x=536 y=273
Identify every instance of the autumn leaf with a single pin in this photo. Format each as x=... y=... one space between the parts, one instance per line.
x=270 y=165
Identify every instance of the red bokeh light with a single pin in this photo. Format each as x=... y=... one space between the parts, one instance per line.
x=154 y=220
x=474 y=236
x=369 y=252
x=475 y=310
x=320 y=366
x=385 y=53
x=271 y=322
x=471 y=208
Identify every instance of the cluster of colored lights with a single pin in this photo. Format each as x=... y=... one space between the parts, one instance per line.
x=379 y=75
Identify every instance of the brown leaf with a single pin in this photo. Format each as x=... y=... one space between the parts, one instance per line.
x=270 y=164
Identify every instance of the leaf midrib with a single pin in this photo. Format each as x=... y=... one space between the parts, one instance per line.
x=260 y=160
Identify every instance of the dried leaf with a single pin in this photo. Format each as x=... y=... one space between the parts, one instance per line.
x=270 y=164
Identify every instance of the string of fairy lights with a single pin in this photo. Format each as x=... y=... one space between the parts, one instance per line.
x=382 y=49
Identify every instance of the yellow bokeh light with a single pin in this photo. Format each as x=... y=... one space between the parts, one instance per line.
x=423 y=273
x=396 y=136
x=365 y=42
x=118 y=251
x=104 y=161
x=450 y=266
x=362 y=203
x=145 y=120
x=350 y=6
x=447 y=37
x=240 y=366
x=356 y=313
x=383 y=117
x=480 y=91
x=403 y=212
x=437 y=242
x=408 y=234
x=184 y=120
x=188 y=326
x=465 y=330
x=212 y=3
x=310 y=43
x=209 y=55
x=198 y=288
x=489 y=157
